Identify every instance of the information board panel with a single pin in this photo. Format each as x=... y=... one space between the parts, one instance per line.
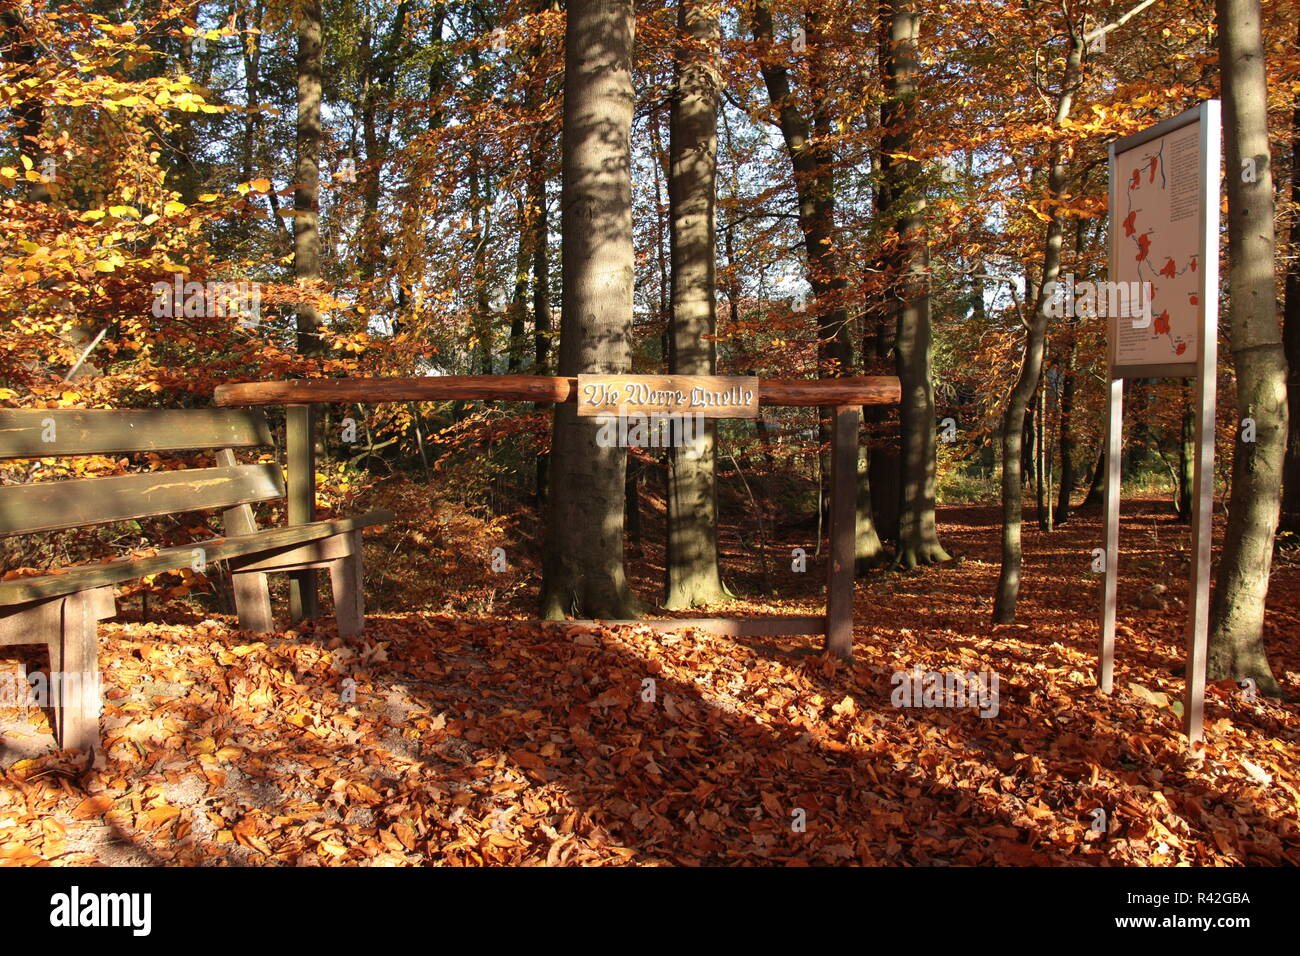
x=1156 y=297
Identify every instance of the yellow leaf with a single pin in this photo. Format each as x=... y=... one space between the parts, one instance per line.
x=91 y=215
x=102 y=266
x=209 y=197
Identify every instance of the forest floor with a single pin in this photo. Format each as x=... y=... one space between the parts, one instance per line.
x=474 y=742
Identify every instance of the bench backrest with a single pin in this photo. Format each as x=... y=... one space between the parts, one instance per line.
x=58 y=433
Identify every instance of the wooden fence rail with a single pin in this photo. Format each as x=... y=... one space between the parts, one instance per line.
x=863 y=390
x=844 y=396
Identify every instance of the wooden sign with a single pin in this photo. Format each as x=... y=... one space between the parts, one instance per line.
x=713 y=396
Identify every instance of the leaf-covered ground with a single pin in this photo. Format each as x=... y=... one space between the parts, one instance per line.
x=493 y=742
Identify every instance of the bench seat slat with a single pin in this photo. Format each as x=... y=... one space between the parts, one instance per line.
x=24 y=590
x=55 y=505
x=59 y=432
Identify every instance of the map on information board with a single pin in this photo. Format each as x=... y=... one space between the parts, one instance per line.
x=1157 y=248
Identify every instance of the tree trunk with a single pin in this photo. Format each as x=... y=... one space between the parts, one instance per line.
x=539 y=233
x=306 y=237
x=1186 y=457
x=1291 y=338
x=1043 y=484
x=519 y=298
x=692 y=562
x=812 y=164
x=1237 y=613
x=1063 y=504
x=1008 y=588
x=1097 y=484
x=918 y=535
x=583 y=571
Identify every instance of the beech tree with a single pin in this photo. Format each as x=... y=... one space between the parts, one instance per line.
x=1236 y=645
x=693 y=575
x=904 y=205
x=583 y=570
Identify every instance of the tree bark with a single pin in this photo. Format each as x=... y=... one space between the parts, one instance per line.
x=1291 y=339
x=918 y=535
x=583 y=570
x=1236 y=646
x=306 y=236
x=692 y=565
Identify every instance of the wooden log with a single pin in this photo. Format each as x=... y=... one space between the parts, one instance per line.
x=722 y=626
x=862 y=390
x=55 y=432
x=54 y=505
x=68 y=581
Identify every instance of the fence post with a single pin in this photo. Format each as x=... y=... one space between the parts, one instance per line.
x=300 y=452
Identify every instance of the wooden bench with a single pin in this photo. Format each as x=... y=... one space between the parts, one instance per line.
x=62 y=608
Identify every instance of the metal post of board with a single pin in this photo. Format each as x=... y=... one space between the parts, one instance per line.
x=1207 y=364
x=839 y=560
x=300 y=451
x=1110 y=551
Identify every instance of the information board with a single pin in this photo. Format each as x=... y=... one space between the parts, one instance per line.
x=1158 y=248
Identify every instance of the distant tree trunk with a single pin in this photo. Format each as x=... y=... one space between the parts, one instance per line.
x=1042 y=457
x=1008 y=588
x=1097 y=484
x=883 y=464
x=918 y=534
x=1186 y=457
x=539 y=233
x=1237 y=612
x=1063 y=504
x=632 y=504
x=692 y=564
x=306 y=236
x=867 y=550
x=1069 y=357
x=519 y=298
x=812 y=163
x=480 y=230
x=1291 y=334
x=1029 y=456
x=583 y=569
